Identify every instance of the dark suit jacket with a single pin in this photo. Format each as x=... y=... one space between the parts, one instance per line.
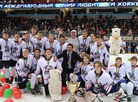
x=133 y=44
x=74 y=58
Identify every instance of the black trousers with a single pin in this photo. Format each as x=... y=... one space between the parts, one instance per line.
x=65 y=76
x=132 y=50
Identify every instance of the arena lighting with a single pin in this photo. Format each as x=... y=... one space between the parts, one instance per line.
x=136 y=11
x=7 y=10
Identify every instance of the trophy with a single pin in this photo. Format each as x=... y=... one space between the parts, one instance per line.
x=72 y=87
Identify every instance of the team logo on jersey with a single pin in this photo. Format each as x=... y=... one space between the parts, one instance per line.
x=52 y=49
x=14 y=49
x=98 y=85
x=97 y=55
x=25 y=69
x=47 y=68
x=7 y=48
x=83 y=46
x=132 y=77
x=39 y=45
x=116 y=76
x=28 y=48
x=59 y=51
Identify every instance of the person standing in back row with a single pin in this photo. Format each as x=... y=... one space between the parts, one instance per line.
x=133 y=46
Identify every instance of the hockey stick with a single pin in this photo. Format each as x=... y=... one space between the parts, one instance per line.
x=94 y=98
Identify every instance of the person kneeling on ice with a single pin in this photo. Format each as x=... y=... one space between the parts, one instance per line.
x=117 y=73
x=79 y=75
x=132 y=80
x=44 y=66
x=23 y=67
x=32 y=75
x=98 y=81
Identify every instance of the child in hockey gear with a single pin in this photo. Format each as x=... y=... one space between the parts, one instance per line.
x=98 y=80
x=32 y=74
x=23 y=67
x=51 y=44
x=27 y=44
x=44 y=65
x=92 y=43
x=61 y=46
x=83 y=71
x=100 y=54
x=84 y=41
x=15 y=55
x=5 y=55
x=132 y=83
x=117 y=73
x=39 y=42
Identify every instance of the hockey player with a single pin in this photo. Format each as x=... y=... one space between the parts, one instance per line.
x=117 y=73
x=84 y=41
x=15 y=55
x=46 y=64
x=27 y=44
x=39 y=42
x=33 y=31
x=23 y=67
x=92 y=43
x=5 y=55
x=51 y=43
x=100 y=54
x=132 y=80
x=61 y=46
x=32 y=75
x=98 y=81
x=83 y=71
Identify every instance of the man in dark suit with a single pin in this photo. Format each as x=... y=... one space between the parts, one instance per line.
x=133 y=46
x=70 y=58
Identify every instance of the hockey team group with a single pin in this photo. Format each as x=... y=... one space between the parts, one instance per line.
x=81 y=59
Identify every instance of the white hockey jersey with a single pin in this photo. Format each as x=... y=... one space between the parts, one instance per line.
x=60 y=48
x=28 y=45
x=117 y=74
x=104 y=81
x=34 y=63
x=5 y=47
x=52 y=46
x=16 y=50
x=84 y=70
x=45 y=67
x=23 y=67
x=132 y=74
x=84 y=43
x=91 y=46
x=39 y=43
x=100 y=55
